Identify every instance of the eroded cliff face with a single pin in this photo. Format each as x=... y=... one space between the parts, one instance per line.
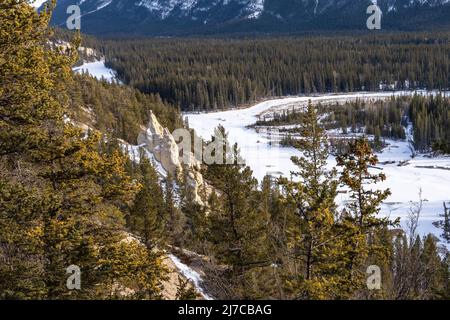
x=160 y=142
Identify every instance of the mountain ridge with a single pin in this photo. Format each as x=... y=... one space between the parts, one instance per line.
x=178 y=17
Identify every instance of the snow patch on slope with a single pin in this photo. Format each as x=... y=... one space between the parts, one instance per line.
x=98 y=70
x=135 y=154
x=251 y=9
x=38 y=3
x=256 y=8
x=191 y=275
x=164 y=8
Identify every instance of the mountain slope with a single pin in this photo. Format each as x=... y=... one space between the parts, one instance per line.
x=168 y=17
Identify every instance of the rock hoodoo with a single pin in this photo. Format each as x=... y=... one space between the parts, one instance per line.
x=160 y=142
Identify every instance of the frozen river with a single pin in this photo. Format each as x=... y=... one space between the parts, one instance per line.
x=265 y=156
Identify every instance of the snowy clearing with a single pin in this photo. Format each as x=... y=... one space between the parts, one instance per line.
x=98 y=70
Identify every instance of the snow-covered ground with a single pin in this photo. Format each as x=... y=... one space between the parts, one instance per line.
x=191 y=275
x=135 y=153
x=262 y=153
x=37 y=3
x=259 y=147
x=98 y=70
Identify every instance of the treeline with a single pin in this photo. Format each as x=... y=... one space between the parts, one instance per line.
x=284 y=118
x=209 y=74
x=431 y=119
x=382 y=119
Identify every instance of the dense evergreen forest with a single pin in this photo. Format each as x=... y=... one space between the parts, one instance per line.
x=208 y=74
x=431 y=120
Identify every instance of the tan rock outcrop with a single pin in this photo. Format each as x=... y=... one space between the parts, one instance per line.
x=160 y=142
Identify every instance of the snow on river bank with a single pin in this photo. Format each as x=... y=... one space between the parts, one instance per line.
x=266 y=157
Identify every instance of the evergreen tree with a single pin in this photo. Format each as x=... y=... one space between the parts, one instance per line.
x=194 y=211
x=311 y=236
x=445 y=291
x=431 y=283
x=239 y=228
x=186 y=290
x=148 y=216
x=359 y=218
x=175 y=221
x=445 y=224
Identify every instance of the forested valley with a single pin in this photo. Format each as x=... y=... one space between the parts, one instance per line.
x=209 y=74
x=70 y=195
